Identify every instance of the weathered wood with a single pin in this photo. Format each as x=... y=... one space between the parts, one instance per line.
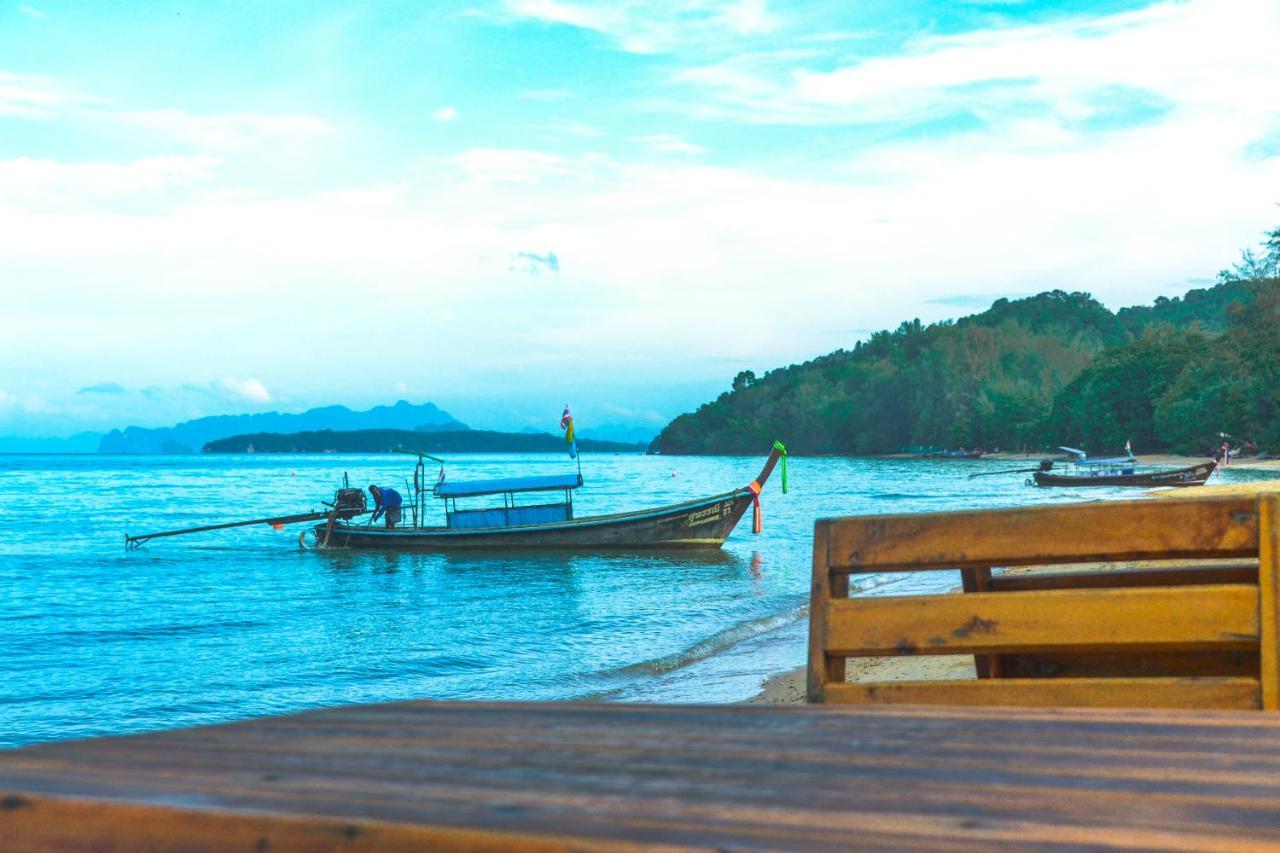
x=1144 y=664
x=1269 y=599
x=413 y=776
x=821 y=669
x=1093 y=532
x=1180 y=575
x=1222 y=616
x=1191 y=693
x=979 y=580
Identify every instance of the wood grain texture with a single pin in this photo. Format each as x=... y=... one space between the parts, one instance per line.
x=1092 y=532
x=979 y=580
x=413 y=776
x=818 y=672
x=1269 y=599
x=1179 y=575
x=1222 y=616
x=1189 y=693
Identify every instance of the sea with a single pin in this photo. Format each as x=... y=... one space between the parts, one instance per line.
x=99 y=640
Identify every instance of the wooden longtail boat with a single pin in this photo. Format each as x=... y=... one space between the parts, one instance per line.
x=1123 y=471
x=702 y=523
x=955 y=454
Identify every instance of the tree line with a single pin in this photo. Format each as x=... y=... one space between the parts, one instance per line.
x=1056 y=368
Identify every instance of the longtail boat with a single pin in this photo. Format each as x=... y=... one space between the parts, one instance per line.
x=1121 y=471
x=955 y=454
x=702 y=523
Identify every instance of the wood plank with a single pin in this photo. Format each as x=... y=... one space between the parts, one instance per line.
x=819 y=672
x=1221 y=616
x=1093 y=532
x=1269 y=599
x=979 y=580
x=577 y=776
x=1087 y=579
x=1144 y=664
x=1231 y=693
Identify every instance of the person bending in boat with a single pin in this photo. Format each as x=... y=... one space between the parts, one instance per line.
x=386 y=502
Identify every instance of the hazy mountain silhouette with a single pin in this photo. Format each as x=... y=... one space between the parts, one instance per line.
x=191 y=436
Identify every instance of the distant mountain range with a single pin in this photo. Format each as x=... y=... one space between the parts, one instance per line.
x=191 y=436
x=386 y=440
x=81 y=442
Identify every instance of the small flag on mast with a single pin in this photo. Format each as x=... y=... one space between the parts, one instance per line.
x=566 y=424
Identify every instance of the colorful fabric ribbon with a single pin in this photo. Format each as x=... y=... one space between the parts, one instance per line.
x=757 y=515
x=778 y=446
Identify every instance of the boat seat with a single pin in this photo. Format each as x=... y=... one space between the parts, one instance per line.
x=1160 y=604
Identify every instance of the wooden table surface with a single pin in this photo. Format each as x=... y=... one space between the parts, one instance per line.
x=408 y=776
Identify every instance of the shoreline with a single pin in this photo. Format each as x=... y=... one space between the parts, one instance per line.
x=1173 y=460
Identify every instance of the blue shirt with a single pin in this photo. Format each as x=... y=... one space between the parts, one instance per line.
x=386 y=499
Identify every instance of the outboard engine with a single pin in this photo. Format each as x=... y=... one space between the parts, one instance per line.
x=349 y=503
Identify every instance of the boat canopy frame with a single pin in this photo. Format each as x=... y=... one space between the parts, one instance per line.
x=508 y=486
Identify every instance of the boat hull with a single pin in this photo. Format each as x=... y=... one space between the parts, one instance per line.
x=703 y=523
x=1194 y=475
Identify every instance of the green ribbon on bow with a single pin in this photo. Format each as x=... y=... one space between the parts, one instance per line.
x=777 y=445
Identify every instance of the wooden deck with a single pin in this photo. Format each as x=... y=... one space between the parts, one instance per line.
x=408 y=776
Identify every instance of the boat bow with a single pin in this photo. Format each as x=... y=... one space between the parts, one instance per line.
x=756 y=486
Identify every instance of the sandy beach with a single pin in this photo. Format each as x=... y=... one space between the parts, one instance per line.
x=1171 y=460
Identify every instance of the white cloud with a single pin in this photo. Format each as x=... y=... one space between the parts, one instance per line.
x=230 y=130
x=659 y=26
x=249 y=390
x=32 y=97
x=448 y=113
x=42 y=183
x=573 y=128
x=31 y=12
x=1061 y=66
x=669 y=143
x=509 y=165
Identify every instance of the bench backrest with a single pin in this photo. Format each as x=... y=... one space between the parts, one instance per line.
x=1183 y=637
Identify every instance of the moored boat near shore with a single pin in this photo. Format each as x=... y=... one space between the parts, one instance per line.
x=1120 y=471
x=701 y=523
x=1192 y=475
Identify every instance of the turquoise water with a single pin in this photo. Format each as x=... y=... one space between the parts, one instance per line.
x=240 y=623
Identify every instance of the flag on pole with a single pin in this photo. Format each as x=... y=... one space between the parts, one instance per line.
x=566 y=424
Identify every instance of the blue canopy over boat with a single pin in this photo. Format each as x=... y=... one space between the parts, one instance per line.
x=475 y=488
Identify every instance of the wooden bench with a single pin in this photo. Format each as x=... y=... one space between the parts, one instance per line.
x=1167 y=634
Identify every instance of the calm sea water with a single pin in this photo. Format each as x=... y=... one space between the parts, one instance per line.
x=233 y=624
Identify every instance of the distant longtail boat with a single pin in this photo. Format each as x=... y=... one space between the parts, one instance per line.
x=1122 y=471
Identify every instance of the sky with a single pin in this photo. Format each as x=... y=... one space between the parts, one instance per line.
x=504 y=205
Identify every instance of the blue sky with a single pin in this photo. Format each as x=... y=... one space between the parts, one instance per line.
x=500 y=206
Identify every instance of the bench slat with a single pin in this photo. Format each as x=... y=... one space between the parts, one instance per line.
x=1180 y=576
x=1080 y=533
x=1187 y=693
x=1144 y=664
x=1219 y=616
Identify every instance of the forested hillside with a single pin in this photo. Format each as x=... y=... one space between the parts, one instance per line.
x=1050 y=369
